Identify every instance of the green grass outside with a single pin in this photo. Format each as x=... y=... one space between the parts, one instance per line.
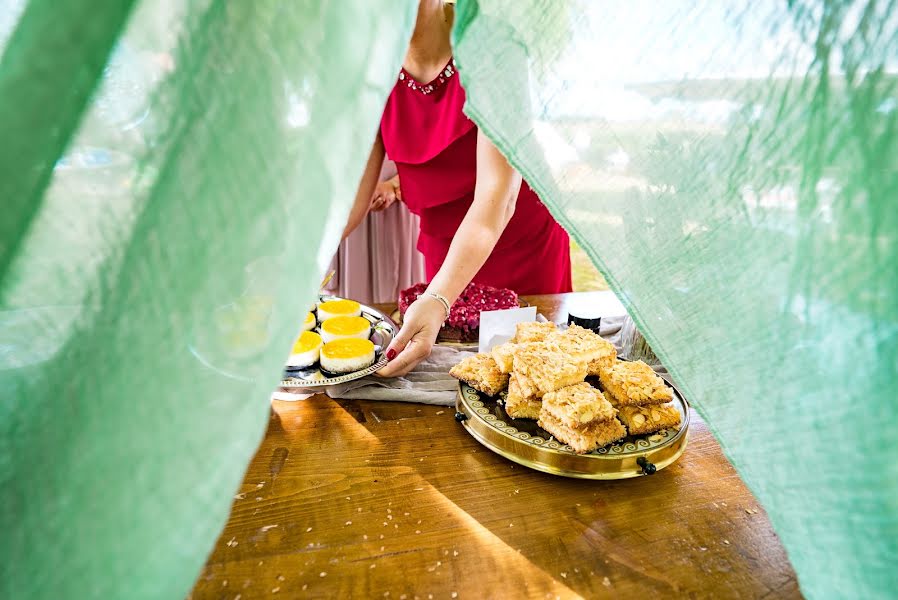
x=586 y=277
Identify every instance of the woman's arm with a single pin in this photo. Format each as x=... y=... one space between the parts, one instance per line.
x=495 y=195
x=366 y=186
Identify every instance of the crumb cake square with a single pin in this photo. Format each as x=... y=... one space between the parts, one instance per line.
x=641 y=420
x=586 y=438
x=543 y=368
x=579 y=342
x=481 y=373
x=504 y=356
x=533 y=332
x=518 y=406
x=579 y=404
x=634 y=384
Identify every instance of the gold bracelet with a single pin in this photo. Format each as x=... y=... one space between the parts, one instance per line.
x=442 y=300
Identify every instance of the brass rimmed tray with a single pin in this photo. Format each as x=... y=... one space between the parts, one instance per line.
x=524 y=442
x=383 y=329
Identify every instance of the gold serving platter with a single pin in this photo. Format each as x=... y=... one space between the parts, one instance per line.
x=524 y=442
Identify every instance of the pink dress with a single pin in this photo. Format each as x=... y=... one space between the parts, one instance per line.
x=434 y=146
x=378 y=260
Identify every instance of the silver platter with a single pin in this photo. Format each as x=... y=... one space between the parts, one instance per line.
x=383 y=330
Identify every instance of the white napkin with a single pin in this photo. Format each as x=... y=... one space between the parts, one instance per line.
x=498 y=326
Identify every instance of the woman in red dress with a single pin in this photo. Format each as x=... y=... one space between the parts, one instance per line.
x=479 y=221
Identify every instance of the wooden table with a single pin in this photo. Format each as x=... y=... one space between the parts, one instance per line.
x=363 y=499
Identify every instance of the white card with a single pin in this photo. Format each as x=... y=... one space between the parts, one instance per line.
x=498 y=326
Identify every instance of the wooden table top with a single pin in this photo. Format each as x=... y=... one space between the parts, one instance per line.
x=364 y=499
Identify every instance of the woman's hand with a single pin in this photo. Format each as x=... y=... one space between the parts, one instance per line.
x=385 y=194
x=420 y=327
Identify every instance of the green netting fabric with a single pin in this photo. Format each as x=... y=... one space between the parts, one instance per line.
x=170 y=171
x=175 y=176
x=732 y=168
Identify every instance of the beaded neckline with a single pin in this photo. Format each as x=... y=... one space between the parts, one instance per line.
x=428 y=88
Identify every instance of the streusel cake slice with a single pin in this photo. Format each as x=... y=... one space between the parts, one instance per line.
x=481 y=373
x=581 y=417
x=582 y=343
x=634 y=383
x=518 y=406
x=544 y=368
x=641 y=420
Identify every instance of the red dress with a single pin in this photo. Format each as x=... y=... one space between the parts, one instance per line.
x=434 y=146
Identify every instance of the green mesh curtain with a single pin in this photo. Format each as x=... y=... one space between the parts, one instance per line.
x=732 y=168
x=175 y=177
x=176 y=174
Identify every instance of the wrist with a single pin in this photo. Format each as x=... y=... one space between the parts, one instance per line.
x=439 y=299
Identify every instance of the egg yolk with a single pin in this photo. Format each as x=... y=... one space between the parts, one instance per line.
x=348 y=348
x=309 y=340
x=310 y=318
x=345 y=325
x=341 y=307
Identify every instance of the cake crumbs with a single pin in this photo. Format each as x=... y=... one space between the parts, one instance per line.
x=240 y=496
x=268 y=527
x=564 y=575
x=606 y=582
x=727 y=542
x=280 y=578
x=232 y=542
x=349 y=522
x=322 y=574
x=308 y=530
x=275 y=590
